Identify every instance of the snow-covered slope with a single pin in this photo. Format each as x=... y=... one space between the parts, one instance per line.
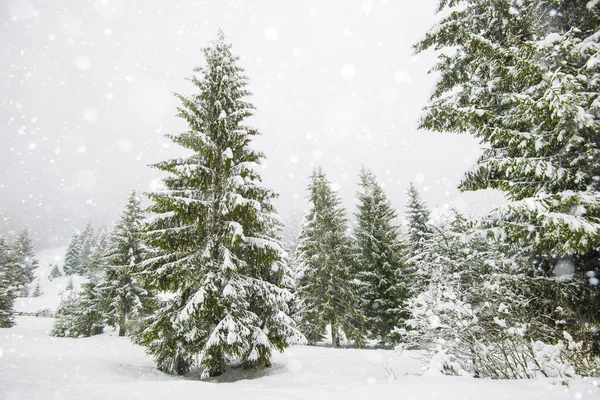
x=52 y=291
x=34 y=365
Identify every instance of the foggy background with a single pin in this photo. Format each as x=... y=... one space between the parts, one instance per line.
x=86 y=98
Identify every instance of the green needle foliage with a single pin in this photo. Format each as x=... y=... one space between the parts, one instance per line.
x=213 y=237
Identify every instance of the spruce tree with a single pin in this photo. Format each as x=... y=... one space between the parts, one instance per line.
x=87 y=238
x=524 y=81
x=125 y=297
x=70 y=286
x=9 y=281
x=417 y=216
x=481 y=312
x=72 y=256
x=26 y=254
x=37 y=292
x=55 y=272
x=213 y=237
x=81 y=314
x=379 y=260
x=97 y=259
x=326 y=291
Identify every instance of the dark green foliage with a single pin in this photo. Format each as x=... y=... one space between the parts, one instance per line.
x=523 y=77
x=23 y=247
x=80 y=314
x=125 y=297
x=72 y=258
x=70 y=285
x=37 y=292
x=55 y=272
x=525 y=81
x=213 y=237
x=417 y=215
x=379 y=261
x=10 y=276
x=86 y=239
x=326 y=291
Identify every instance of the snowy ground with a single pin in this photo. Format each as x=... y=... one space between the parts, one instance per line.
x=34 y=365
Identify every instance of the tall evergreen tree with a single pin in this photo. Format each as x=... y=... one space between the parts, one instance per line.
x=326 y=290
x=9 y=281
x=126 y=298
x=87 y=238
x=480 y=310
x=26 y=253
x=81 y=314
x=72 y=256
x=420 y=233
x=55 y=272
x=214 y=237
x=524 y=81
x=97 y=262
x=37 y=292
x=379 y=264
x=417 y=215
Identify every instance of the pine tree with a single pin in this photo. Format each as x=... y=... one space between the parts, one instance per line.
x=80 y=314
x=54 y=273
x=72 y=256
x=70 y=286
x=87 y=238
x=125 y=296
x=26 y=254
x=419 y=236
x=379 y=265
x=97 y=260
x=481 y=312
x=213 y=237
x=417 y=215
x=524 y=82
x=9 y=281
x=326 y=290
x=37 y=292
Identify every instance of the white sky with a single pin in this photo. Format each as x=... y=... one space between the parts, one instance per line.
x=85 y=98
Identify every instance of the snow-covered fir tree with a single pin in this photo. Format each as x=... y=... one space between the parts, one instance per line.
x=419 y=235
x=482 y=314
x=70 y=285
x=327 y=292
x=384 y=280
x=87 y=239
x=80 y=314
x=25 y=252
x=417 y=218
x=37 y=292
x=524 y=81
x=9 y=283
x=213 y=237
x=97 y=263
x=72 y=258
x=125 y=297
x=55 y=272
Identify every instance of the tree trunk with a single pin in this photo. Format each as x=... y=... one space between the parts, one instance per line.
x=122 y=328
x=335 y=340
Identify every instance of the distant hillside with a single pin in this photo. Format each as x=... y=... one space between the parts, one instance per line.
x=52 y=291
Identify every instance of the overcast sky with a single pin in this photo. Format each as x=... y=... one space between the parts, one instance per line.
x=86 y=97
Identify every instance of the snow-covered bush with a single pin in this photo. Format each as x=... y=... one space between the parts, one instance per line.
x=80 y=314
x=480 y=314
